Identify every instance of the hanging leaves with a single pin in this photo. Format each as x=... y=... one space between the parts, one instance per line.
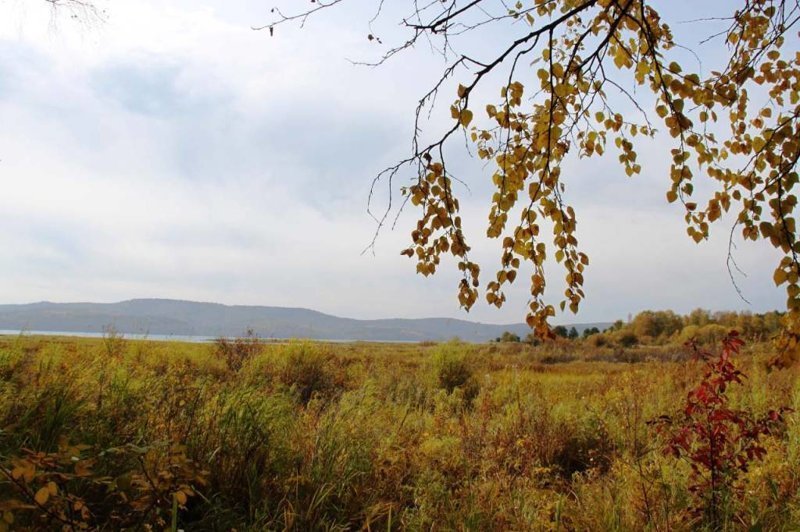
x=581 y=55
x=528 y=138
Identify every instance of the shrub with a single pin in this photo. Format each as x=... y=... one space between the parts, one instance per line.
x=453 y=370
x=236 y=352
x=709 y=334
x=627 y=339
x=508 y=336
x=598 y=340
x=590 y=331
x=718 y=441
x=688 y=333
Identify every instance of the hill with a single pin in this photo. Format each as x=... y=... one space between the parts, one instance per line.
x=188 y=318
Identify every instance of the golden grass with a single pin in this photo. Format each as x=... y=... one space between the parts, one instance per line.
x=313 y=436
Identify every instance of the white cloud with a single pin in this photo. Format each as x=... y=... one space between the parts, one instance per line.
x=173 y=152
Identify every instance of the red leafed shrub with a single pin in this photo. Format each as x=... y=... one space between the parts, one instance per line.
x=718 y=441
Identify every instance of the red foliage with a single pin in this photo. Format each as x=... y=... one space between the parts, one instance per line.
x=719 y=442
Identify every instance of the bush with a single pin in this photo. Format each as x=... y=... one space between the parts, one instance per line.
x=627 y=339
x=709 y=334
x=719 y=442
x=453 y=370
x=237 y=352
x=598 y=340
x=508 y=337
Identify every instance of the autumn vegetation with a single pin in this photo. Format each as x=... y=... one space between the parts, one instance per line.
x=666 y=327
x=662 y=423
x=110 y=434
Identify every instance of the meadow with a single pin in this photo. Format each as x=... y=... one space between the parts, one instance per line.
x=111 y=434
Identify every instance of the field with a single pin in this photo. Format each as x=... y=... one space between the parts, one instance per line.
x=112 y=434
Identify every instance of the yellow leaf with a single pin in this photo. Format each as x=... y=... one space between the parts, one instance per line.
x=561 y=90
x=180 y=497
x=466 y=117
x=619 y=59
x=42 y=496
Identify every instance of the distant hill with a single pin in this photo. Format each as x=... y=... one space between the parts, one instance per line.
x=187 y=318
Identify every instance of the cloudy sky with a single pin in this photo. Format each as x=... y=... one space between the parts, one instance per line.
x=171 y=151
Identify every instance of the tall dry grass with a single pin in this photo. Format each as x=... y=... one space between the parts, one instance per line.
x=309 y=436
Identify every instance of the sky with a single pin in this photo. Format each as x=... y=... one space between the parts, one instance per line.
x=171 y=151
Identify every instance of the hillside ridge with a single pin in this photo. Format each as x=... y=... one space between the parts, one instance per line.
x=191 y=318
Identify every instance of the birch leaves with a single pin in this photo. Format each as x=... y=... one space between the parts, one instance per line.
x=582 y=52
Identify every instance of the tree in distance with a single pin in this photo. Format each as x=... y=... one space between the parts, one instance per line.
x=589 y=332
x=565 y=78
x=508 y=336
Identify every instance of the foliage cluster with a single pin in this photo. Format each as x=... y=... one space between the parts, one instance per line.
x=719 y=442
x=668 y=328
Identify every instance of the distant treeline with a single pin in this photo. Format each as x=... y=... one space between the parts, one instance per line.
x=665 y=326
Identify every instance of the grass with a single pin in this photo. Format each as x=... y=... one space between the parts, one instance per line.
x=312 y=436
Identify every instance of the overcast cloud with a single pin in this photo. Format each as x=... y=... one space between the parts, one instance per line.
x=174 y=152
